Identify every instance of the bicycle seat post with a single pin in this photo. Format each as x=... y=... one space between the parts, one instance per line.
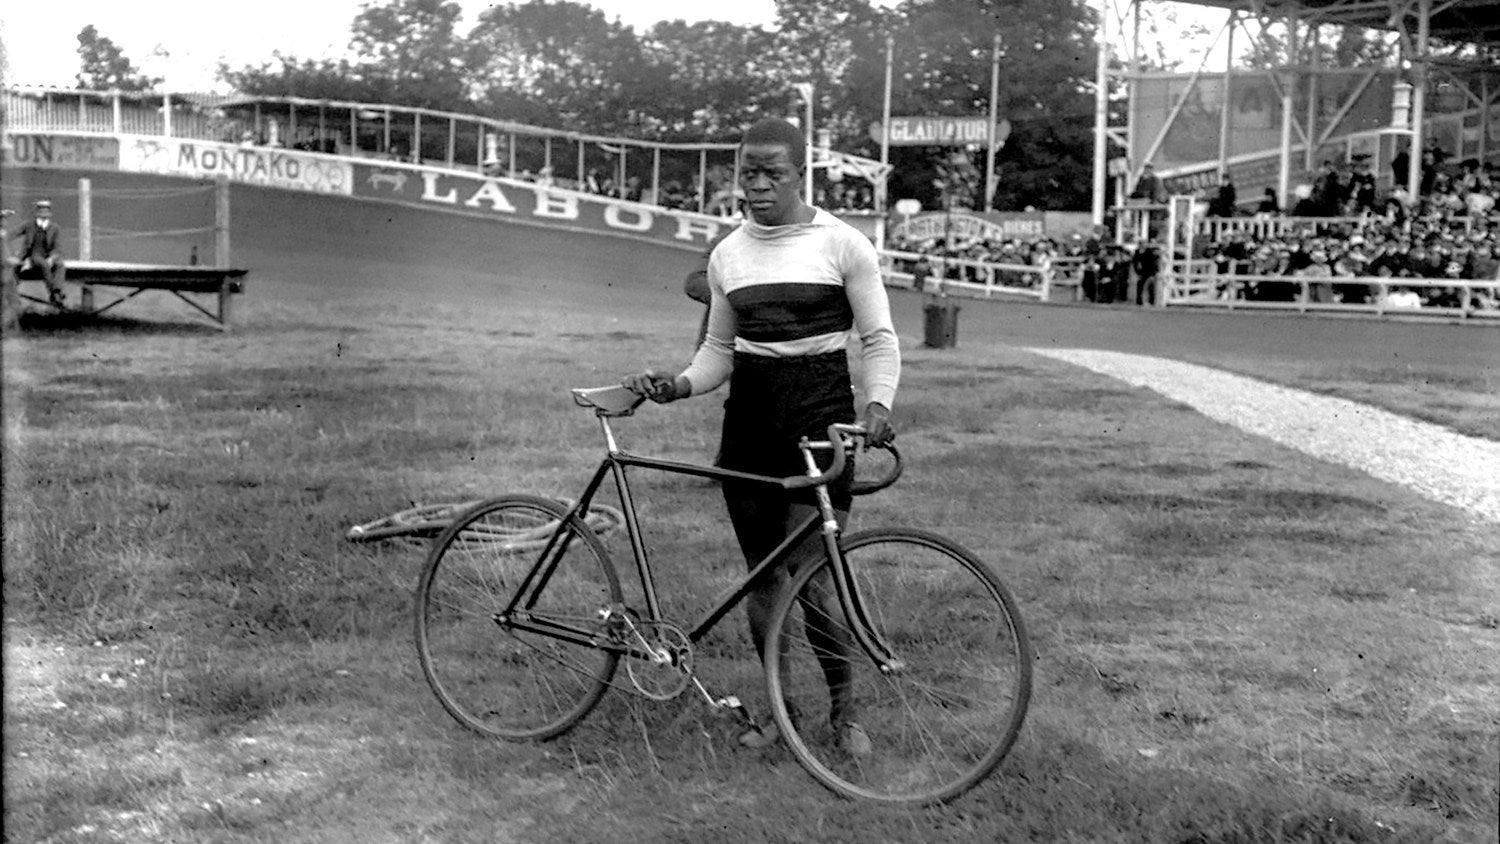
x=609 y=433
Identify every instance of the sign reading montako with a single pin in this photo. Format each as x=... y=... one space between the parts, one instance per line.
x=941 y=131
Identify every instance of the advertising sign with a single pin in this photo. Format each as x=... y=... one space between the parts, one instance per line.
x=522 y=201
x=255 y=165
x=992 y=226
x=61 y=152
x=941 y=131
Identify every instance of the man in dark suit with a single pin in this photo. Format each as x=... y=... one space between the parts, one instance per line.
x=41 y=252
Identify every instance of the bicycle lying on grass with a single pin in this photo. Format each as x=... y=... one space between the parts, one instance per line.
x=521 y=625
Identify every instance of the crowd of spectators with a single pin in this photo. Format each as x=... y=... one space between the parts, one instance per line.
x=1344 y=230
x=1342 y=241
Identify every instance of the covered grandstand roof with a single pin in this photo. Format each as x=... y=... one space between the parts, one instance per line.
x=1470 y=21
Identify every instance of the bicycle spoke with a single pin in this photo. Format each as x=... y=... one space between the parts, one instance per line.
x=512 y=683
x=944 y=721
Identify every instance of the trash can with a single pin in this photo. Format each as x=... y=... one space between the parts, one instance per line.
x=940 y=323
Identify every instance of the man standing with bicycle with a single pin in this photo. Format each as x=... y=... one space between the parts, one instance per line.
x=786 y=288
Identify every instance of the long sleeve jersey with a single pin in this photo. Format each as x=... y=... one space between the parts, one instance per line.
x=798 y=289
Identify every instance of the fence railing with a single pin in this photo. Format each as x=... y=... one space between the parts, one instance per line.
x=1195 y=284
x=985 y=279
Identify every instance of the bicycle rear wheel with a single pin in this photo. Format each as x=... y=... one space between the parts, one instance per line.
x=495 y=679
x=939 y=725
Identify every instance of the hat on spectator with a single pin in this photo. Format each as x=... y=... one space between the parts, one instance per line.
x=44 y=203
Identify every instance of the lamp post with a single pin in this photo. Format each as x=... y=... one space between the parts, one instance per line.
x=805 y=90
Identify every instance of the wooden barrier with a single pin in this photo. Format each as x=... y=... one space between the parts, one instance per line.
x=220 y=283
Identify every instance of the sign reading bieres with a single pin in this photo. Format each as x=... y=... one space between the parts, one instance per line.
x=62 y=152
x=268 y=166
x=523 y=201
x=996 y=225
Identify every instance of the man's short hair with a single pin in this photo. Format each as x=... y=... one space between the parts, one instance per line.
x=774 y=130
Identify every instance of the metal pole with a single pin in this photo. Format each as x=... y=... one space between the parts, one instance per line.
x=703 y=177
x=989 y=160
x=221 y=221
x=1228 y=98
x=1418 y=102
x=1285 y=183
x=116 y=113
x=85 y=220
x=883 y=187
x=656 y=175
x=416 y=140
x=1101 y=114
x=808 y=154
x=166 y=114
x=1309 y=147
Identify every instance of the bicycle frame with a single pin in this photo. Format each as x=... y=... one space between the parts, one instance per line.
x=614 y=464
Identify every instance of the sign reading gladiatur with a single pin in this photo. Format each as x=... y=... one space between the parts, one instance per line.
x=256 y=165
x=941 y=131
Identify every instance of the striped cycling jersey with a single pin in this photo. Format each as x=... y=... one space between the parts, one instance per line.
x=785 y=291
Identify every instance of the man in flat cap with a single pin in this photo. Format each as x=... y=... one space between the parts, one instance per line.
x=41 y=252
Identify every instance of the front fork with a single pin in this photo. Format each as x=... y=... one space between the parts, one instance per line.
x=850 y=601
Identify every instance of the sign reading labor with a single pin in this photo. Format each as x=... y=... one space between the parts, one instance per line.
x=941 y=131
x=268 y=166
x=61 y=152
x=528 y=202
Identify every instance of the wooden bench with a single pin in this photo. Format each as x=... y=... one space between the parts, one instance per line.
x=221 y=283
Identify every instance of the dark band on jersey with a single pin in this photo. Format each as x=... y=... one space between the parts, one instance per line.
x=773 y=313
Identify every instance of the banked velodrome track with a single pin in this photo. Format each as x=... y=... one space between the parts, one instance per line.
x=292 y=240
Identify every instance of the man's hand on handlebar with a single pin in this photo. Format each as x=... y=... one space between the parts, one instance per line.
x=658 y=387
x=878 y=428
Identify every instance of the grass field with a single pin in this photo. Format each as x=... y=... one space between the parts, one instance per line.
x=1235 y=643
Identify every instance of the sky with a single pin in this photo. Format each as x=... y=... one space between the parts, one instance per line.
x=183 y=41
x=41 y=39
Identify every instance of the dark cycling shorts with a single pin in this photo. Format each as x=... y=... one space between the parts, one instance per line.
x=773 y=403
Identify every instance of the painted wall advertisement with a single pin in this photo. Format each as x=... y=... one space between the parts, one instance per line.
x=265 y=166
x=521 y=201
x=60 y=152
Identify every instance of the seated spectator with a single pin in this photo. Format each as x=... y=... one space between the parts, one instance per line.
x=1224 y=202
x=1269 y=204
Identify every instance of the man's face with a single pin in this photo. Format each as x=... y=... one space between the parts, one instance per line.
x=771 y=181
x=44 y=213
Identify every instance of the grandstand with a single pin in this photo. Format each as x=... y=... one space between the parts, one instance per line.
x=1397 y=160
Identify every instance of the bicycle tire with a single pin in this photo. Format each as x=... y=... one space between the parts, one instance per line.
x=498 y=681
x=940 y=725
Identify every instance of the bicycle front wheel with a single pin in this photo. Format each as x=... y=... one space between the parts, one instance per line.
x=938 y=725
x=496 y=679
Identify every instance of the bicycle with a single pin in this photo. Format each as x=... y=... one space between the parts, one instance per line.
x=520 y=637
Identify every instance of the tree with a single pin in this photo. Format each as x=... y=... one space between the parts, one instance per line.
x=708 y=80
x=562 y=63
x=408 y=52
x=942 y=67
x=104 y=67
x=288 y=76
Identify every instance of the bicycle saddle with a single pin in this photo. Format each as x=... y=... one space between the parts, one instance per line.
x=608 y=401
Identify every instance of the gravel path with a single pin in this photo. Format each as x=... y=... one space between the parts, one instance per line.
x=1443 y=465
